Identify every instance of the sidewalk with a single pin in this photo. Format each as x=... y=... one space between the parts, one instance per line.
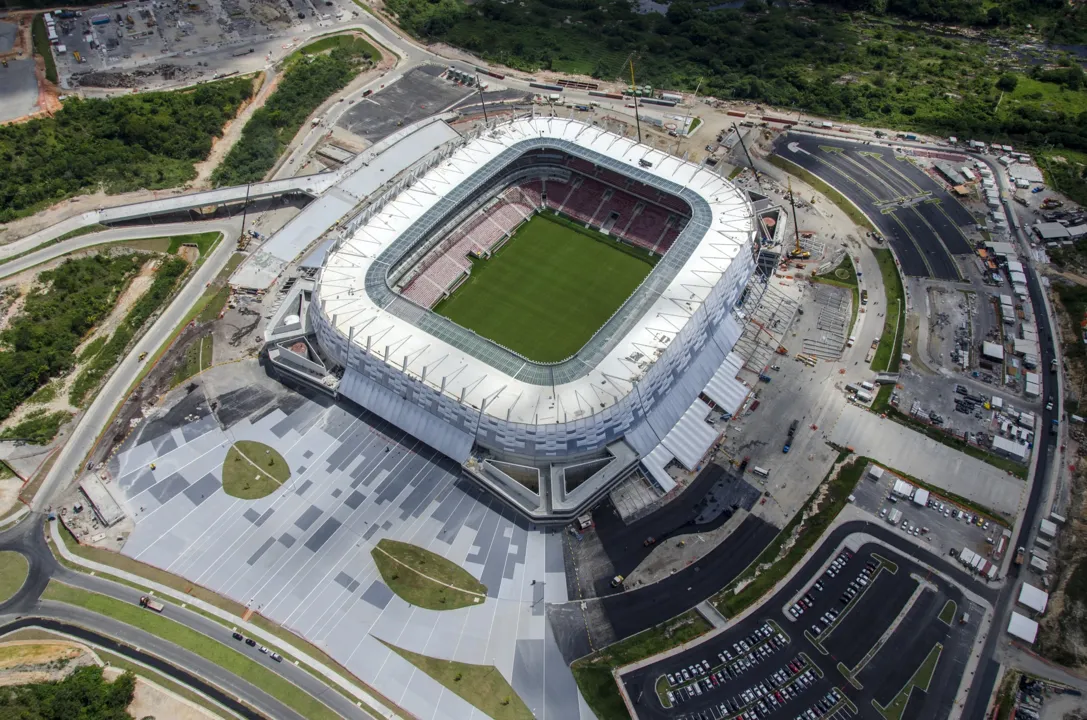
x=331 y=676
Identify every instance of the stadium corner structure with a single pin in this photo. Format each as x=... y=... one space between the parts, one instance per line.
x=550 y=438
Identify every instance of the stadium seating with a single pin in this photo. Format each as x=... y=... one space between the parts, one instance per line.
x=584 y=202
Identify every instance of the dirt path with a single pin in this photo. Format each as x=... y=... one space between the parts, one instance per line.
x=233 y=130
x=135 y=289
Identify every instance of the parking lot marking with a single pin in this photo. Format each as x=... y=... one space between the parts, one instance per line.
x=947 y=615
x=848 y=675
x=851 y=674
x=921 y=679
x=884 y=564
x=939 y=239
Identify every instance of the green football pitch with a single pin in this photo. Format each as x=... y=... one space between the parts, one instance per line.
x=548 y=289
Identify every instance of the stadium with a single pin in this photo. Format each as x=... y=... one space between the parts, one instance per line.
x=548 y=304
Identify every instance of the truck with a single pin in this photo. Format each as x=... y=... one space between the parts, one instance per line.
x=147 y=602
x=1053 y=365
x=77 y=56
x=789 y=438
x=1019 y=555
x=894 y=516
x=764 y=377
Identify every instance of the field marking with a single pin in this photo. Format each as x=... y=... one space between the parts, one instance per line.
x=908 y=688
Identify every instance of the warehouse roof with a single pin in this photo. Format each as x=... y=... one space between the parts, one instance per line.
x=1051 y=231
x=1033 y=598
x=1023 y=627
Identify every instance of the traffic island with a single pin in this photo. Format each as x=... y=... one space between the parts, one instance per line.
x=426 y=579
x=13 y=572
x=253 y=470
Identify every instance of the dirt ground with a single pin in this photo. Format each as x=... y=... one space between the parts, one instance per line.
x=151 y=700
x=30 y=661
x=9 y=494
x=233 y=130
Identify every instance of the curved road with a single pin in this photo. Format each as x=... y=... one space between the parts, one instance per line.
x=28 y=538
x=97 y=416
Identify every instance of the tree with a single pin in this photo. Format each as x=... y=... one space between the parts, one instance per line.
x=1007 y=82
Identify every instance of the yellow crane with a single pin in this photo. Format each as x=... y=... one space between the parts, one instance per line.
x=798 y=253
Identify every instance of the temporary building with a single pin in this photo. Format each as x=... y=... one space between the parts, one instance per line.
x=875 y=472
x=1023 y=628
x=921 y=497
x=1048 y=528
x=992 y=351
x=903 y=488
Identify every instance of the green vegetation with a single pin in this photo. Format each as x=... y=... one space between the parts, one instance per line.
x=662 y=687
x=42 y=47
x=548 y=289
x=47 y=393
x=197 y=360
x=1066 y=172
x=1005 y=700
x=91 y=349
x=40 y=342
x=889 y=353
x=253 y=470
x=426 y=579
x=865 y=65
x=355 y=45
x=211 y=650
x=166 y=277
x=38 y=427
x=845 y=275
x=843 y=204
x=83 y=695
x=593 y=672
x=204 y=242
x=13 y=572
x=806 y=528
x=148 y=140
x=920 y=680
x=947 y=615
x=214 y=306
x=481 y=685
x=307 y=82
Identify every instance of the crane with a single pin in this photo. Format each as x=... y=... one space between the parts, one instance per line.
x=798 y=253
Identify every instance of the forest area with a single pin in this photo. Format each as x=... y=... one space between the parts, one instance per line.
x=150 y=140
x=308 y=80
x=83 y=695
x=872 y=66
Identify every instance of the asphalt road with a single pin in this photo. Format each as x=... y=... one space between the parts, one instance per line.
x=104 y=642
x=983 y=688
x=28 y=538
x=97 y=416
x=877 y=185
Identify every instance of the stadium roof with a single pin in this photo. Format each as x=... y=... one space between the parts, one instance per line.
x=356 y=298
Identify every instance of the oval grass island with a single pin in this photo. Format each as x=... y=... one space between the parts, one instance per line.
x=426 y=579
x=253 y=470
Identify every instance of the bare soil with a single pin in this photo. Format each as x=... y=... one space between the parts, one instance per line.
x=152 y=700
x=30 y=661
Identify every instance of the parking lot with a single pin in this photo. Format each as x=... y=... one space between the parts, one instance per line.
x=920 y=219
x=937 y=526
x=420 y=93
x=851 y=629
x=19 y=88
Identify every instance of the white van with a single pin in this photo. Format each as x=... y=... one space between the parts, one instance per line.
x=761 y=472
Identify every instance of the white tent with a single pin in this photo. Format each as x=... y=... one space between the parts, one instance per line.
x=655 y=463
x=724 y=388
x=1023 y=627
x=1033 y=598
x=692 y=436
x=903 y=488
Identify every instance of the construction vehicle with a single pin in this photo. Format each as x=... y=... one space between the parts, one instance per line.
x=147 y=602
x=1050 y=203
x=143 y=356
x=797 y=253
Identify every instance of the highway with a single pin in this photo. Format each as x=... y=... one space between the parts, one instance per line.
x=97 y=416
x=28 y=539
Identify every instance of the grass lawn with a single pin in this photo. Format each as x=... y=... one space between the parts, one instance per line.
x=889 y=353
x=422 y=578
x=211 y=650
x=13 y=571
x=252 y=470
x=662 y=691
x=204 y=242
x=197 y=360
x=351 y=41
x=920 y=680
x=731 y=603
x=593 y=673
x=823 y=189
x=548 y=289
x=214 y=306
x=947 y=615
x=481 y=685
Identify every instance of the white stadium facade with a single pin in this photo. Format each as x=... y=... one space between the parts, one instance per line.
x=549 y=438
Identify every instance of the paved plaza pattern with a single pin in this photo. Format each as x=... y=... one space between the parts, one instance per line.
x=301 y=556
